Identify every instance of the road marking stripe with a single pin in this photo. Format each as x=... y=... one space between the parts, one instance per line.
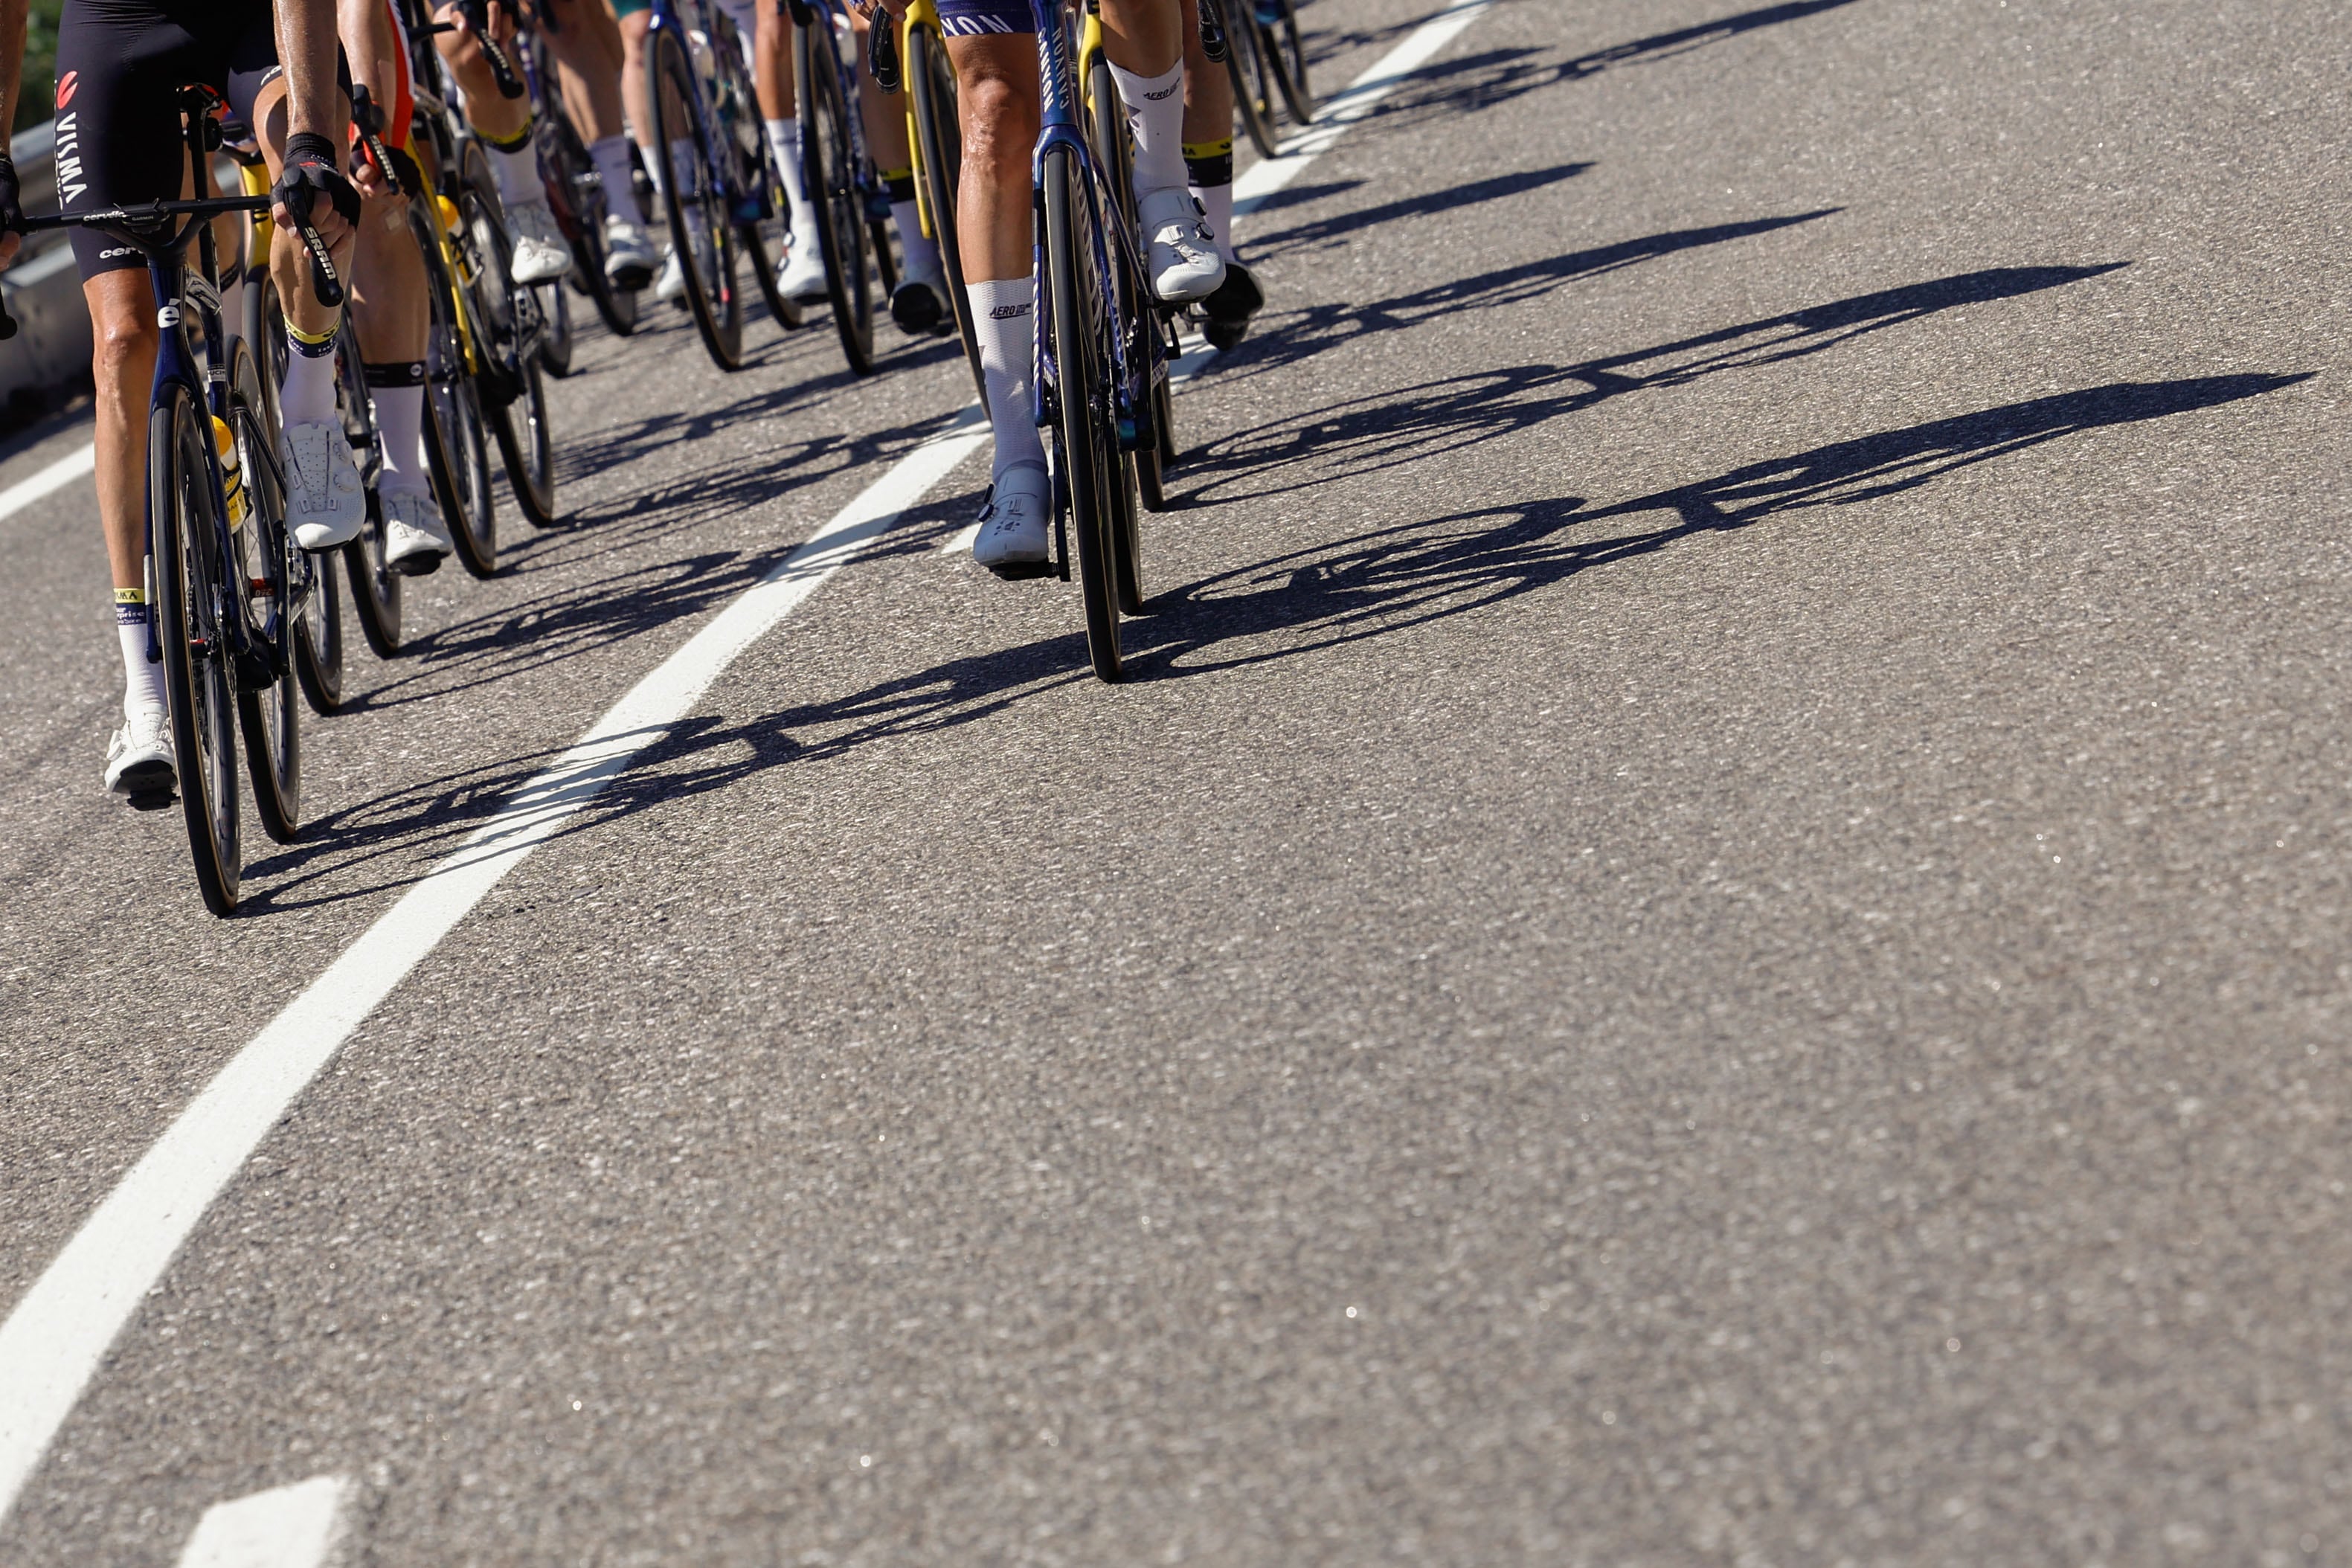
x=305 y=1525
x=56 y=477
x=58 y=1334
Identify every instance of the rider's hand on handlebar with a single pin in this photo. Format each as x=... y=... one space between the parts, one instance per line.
x=311 y=189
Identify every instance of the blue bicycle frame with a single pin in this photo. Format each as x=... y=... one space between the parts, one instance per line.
x=744 y=205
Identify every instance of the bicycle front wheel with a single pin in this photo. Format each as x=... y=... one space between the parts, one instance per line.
x=831 y=180
x=268 y=711
x=939 y=148
x=526 y=445
x=1285 y=56
x=191 y=587
x=457 y=440
x=1137 y=452
x=1087 y=451
x=701 y=229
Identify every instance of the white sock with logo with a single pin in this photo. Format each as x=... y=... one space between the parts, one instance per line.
x=517 y=173
x=784 y=141
x=1002 y=317
x=307 y=392
x=142 y=683
x=1155 y=113
x=611 y=157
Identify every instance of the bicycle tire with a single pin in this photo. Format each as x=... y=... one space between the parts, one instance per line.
x=521 y=426
x=712 y=296
x=832 y=186
x=1286 y=56
x=375 y=586
x=190 y=590
x=1248 y=72
x=1073 y=301
x=555 y=346
x=269 y=713
x=318 y=640
x=1106 y=122
x=939 y=147
x=781 y=310
x=457 y=444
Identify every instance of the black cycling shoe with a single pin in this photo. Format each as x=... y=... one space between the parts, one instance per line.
x=918 y=309
x=1227 y=313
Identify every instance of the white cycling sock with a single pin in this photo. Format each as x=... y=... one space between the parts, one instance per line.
x=142 y=683
x=1001 y=317
x=307 y=392
x=784 y=141
x=922 y=255
x=517 y=173
x=611 y=157
x=655 y=176
x=1155 y=113
x=399 y=423
x=1217 y=201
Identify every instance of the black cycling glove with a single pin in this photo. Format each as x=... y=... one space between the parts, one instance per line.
x=312 y=170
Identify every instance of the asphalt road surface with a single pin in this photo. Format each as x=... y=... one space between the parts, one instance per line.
x=1714 y=929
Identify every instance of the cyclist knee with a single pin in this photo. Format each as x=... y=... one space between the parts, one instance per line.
x=124 y=337
x=1001 y=122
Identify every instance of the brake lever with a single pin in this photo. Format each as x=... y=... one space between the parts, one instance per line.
x=882 y=52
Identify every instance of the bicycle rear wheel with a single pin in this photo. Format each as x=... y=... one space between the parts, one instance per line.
x=1285 y=56
x=192 y=586
x=526 y=445
x=1247 y=66
x=457 y=442
x=1106 y=120
x=1086 y=450
x=701 y=229
x=555 y=343
x=269 y=712
x=939 y=145
x=831 y=180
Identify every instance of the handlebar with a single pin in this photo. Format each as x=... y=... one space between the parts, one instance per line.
x=477 y=18
x=127 y=220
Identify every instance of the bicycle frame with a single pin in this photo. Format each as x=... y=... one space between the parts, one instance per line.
x=921 y=14
x=1063 y=129
x=821 y=14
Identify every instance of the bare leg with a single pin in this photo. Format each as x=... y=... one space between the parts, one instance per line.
x=997 y=92
x=122 y=363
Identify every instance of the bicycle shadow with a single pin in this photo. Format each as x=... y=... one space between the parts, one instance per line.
x=1389 y=429
x=1389 y=580
x=1683 y=41
x=1376 y=584
x=1291 y=337
x=1321 y=233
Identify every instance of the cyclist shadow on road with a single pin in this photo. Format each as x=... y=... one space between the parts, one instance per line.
x=1390 y=579
x=1296 y=335
x=1389 y=429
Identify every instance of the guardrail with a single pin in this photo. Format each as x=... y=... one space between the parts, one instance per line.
x=43 y=289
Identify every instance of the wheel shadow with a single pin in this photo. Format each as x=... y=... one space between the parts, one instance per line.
x=1376 y=584
x=1394 y=428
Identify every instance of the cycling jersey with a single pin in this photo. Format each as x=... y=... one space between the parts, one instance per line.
x=968 y=17
x=121 y=66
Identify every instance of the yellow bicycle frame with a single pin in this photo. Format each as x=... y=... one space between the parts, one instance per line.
x=919 y=14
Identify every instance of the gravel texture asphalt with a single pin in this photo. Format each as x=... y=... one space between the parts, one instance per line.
x=1714 y=930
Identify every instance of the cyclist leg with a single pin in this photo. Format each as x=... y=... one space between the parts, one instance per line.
x=800 y=276
x=919 y=304
x=325 y=505
x=997 y=96
x=1208 y=172
x=390 y=312
x=506 y=126
x=1144 y=40
x=590 y=56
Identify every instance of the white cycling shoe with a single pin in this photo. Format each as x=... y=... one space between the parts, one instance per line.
x=324 y=503
x=540 y=254
x=629 y=258
x=801 y=279
x=1180 y=252
x=416 y=540
x=1015 y=537
x=139 y=758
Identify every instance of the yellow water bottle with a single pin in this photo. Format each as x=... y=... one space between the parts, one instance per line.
x=232 y=477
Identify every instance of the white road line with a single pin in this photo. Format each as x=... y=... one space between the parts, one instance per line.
x=306 y=1525
x=56 y=477
x=58 y=1334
